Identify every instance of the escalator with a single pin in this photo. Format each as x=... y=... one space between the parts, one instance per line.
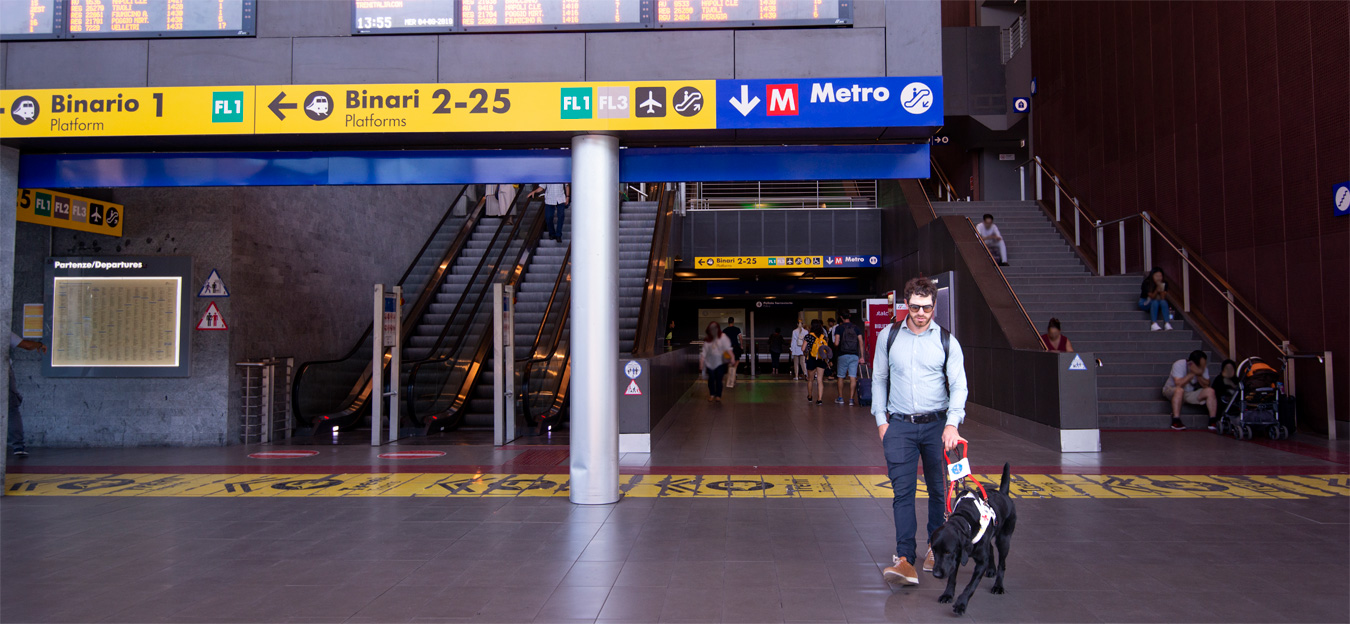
x=438 y=388
x=334 y=393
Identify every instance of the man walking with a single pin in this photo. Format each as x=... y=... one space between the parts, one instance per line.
x=733 y=334
x=849 y=345
x=556 y=198
x=919 y=400
x=15 y=399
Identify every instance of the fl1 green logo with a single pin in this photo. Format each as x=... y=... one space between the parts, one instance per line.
x=576 y=103
x=227 y=107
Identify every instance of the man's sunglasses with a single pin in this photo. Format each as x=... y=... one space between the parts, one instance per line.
x=916 y=308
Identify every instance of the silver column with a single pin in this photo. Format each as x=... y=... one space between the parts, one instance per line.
x=595 y=320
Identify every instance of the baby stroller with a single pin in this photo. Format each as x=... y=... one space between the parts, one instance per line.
x=1255 y=404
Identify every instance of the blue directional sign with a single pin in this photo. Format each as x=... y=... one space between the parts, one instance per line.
x=1340 y=199
x=830 y=102
x=1021 y=105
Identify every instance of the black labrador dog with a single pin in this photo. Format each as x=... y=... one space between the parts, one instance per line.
x=955 y=543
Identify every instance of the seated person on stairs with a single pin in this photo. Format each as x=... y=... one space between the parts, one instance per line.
x=1153 y=297
x=1054 y=339
x=1188 y=382
x=992 y=238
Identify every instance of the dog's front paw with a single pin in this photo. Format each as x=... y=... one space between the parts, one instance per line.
x=997 y=589
x=959 y=609
x=945 y=598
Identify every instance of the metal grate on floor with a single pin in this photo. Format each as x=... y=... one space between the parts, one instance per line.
x=540 y=458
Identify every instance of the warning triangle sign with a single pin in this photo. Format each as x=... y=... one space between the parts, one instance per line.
x=633 y=389
x=214 y=286
x=1077 y=363
x=211 y=319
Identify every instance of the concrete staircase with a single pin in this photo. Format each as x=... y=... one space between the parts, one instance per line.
x=1099 y=314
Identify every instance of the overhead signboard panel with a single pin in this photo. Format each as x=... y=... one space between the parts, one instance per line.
x=830 y=102
x=914 y=102
x=137 y=111
x=402 y=16
x=160 y=18
x=485 y=107
x=71 y=212
x=31 y=19
x=748 y=13
x=483 y=15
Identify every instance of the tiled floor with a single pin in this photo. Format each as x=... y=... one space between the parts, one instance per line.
x=165 y=559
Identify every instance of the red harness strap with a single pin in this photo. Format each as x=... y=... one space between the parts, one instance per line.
x=964 y=480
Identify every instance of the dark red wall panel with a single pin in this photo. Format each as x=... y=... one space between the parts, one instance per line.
x=1229 y=121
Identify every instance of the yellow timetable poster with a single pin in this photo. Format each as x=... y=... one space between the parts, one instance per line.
x=116 y=321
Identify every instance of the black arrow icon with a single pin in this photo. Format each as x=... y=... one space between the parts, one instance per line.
x=276 y=106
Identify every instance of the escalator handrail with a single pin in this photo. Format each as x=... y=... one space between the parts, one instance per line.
x=450 y=253
x=644 y=342
x=526 y=364
x=535 y=232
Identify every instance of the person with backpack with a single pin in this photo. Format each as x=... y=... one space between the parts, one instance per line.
x=919 y=400
x=817 y=348
x=848 y=352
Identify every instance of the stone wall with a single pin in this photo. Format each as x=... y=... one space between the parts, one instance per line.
x=299 y=264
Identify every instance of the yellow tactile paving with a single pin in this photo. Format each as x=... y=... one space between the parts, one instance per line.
x=440 y=485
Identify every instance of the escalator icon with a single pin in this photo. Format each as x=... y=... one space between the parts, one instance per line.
x=916 y=98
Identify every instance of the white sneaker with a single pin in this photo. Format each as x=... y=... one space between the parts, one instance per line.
x=1167 y=326
x=1154 y=327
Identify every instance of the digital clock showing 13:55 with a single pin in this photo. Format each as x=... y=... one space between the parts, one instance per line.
x=383 y=16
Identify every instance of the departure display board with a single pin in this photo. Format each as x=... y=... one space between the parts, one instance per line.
x=393 y=16
x=740 y=13
x=30 y=19
x=160 y=18
x=554 y=14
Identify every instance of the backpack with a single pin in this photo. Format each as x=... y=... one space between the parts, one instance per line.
x=820 y=348
x=946 y=353
x=848 y=339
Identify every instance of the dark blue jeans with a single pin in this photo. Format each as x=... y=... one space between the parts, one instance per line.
x=15 y=420
x=715 y=377
x=1157 y=309
x=554 y=214
x=905 y=443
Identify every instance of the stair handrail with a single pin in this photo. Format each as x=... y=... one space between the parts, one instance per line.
x=409 y=320
x=475 y=362
x=945 y=186
x=1238 y=304
x=644 y=342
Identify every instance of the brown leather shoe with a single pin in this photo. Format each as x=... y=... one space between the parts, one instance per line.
x=902 y=573
x=928 y=561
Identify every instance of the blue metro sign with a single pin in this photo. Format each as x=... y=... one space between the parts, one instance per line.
x=830 y=102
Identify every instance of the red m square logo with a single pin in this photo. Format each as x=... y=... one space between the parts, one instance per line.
x=782 y=99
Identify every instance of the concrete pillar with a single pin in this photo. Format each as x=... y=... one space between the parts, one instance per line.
x=9 y=190
x=595 y=320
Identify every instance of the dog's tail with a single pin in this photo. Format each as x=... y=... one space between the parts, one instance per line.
x=1006 y=482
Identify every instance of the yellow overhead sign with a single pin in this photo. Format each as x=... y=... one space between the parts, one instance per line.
x=72 y=212
x=139 y=111
x=758 y=262
x=360 y=108
x=486 y=107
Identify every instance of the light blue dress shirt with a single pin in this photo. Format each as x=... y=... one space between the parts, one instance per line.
x=910 y=376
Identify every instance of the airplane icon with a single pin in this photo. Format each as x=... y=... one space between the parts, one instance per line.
x=651 y=104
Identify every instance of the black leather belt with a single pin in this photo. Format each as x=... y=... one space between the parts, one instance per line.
x=919 y=419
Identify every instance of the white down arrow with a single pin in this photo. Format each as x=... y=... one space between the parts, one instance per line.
x=746 y=103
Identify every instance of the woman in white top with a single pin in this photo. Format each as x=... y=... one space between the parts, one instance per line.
x=798 y=357
x=714 y=358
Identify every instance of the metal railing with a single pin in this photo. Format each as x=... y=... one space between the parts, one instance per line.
x=804 y=194
x=945 y=190
x=264 y=401
x=1191 y=263
x=1014 y=37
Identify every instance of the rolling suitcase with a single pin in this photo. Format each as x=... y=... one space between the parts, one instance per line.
x=864 y=385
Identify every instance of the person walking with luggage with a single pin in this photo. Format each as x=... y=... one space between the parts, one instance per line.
x=714 y=358
x=919 y=400
x=15 y=440
x=733 y=334
x=849 y=350
x=817 y=348
x=798 y=355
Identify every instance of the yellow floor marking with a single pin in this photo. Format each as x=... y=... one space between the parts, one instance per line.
x=441 y=485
